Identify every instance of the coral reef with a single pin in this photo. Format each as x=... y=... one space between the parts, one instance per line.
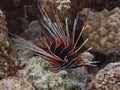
x=15 y=83
x=30 y=72
x=107 y=79
x=39 y=72
x=61 y=6
x=43 y=79
x=7 y=54
x=103 y=30
x=64 y=8
x=62 y=49
x=15 y=9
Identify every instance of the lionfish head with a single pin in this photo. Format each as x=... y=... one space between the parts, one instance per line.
x=62 y=50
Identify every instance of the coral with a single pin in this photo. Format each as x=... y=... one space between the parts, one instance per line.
x=38 y=72
x=103 y=30
x=43 y=79
x=107 y=79
x=3 y=29
x=15 y=83
x=7 y=53
x=63 y=7
x=63 y=4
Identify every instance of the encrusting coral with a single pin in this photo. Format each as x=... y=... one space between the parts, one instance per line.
x=38 y=72
x=63 y=4
x=15 y=83
x=103 y=30
x=63 y=7
x=107 y=79
x=7 y=54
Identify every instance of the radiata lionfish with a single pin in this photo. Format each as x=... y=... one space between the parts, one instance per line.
x=62 y=50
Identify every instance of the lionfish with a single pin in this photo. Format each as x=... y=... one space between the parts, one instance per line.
x=61 y=48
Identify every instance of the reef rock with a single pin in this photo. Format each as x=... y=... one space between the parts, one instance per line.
x=15 y=83
x=107 y=79
x=64 y=8
x=61 y=6
x=7 y=54
x=103 y=30
x=38 y=72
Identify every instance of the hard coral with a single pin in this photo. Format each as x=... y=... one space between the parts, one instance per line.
x=38 y=72
x=62 y=6
x=7 y=53
x=61 y=49
x=107 y=79
x=15 y=83
x=103 y=30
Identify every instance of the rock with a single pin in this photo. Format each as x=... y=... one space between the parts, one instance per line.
x=7 y=54
x=43 y=79
x=63 y=7
x=38 y=71
x=15 y=83
x=107 y=79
